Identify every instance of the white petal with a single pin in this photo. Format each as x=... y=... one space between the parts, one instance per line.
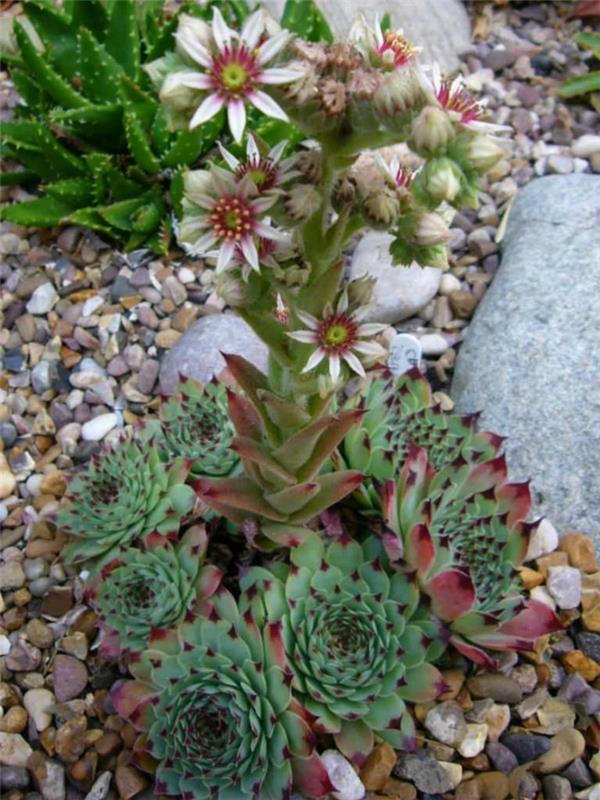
x=251 y=149
x=276 y=152
x=252 y=29
x=342 y=303
x=371 y=328
x=226 y=252
x=262 y=204
x=272 y=46
x=221 y=30
x=303 y=336
x=249 y=251
x=370 y=349
x=314 y=360
x=308 y=320
x=334 y=367
x=231 y=160
x=236 y=116
x=266 y=232
x=267 y=105
x=203 y=245
x=194 y=49
x=276 y=75
x=195 y=80
x=354 y=363
x=207 y=109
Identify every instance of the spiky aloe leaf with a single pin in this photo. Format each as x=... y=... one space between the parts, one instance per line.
x=38 y=149
x=122 y=39
x=123 y=495
x=194 y=424
x=355 y=648
x=44 y=212
x=304 y=18
x=214 y=701
x=400 y=413
x=152 y=589
x=98 y=71
x=100 y=124
x=462 y=529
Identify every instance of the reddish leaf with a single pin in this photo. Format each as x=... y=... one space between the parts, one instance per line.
x=586 y=8
x=452 y=594
x=536 y=620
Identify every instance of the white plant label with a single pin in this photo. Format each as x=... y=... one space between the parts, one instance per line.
x=405 y=353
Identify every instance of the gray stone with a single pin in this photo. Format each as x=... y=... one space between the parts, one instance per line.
x=14 y=778
x=530 y=358
x=446 y=723
x=100 y=788
x=400 y=291
x=198 y=353
x=526 y=747
x=502 y=759
x=556 y=788
x=442 y=29
x=427 y=774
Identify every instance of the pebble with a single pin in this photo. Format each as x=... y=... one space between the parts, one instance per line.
x=474 y=740
x=499 y=687
x=11 y=575
x=48 y=776
x=23 y=657
x=43 y=299
x=347 y=784
x=446 y=723
x=433 y=344
x=37 y=701
x=566 y=746
x=586 y=145
x=70 y=677
x=526 y=747
x=580 y=550
x=428 y=774
x=14 y=750
x=564 y=586
x=131 y=782
x=96 y=429
x=100 y=787
x=544 y=539
x=15 y=778
x=378 y=767
x=556 y=788
x=560 y=164
x=501 y=757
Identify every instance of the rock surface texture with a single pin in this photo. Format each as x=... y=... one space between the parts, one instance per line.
x=442 y=29
x=197 y=354
x=530 y=359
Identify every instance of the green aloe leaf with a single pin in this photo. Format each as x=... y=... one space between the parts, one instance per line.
x=100 y=73
x=54 y=29
x=189 y=146
x=139 y=145
x=40 y=151
x=591 y=41
x=49 y=80
x=138 y=101
x=74 y=191
x=122 y=40
x=35 y=98
x=90 y=218
x=119 y=214
x=100 y=124
x=18 y=178
x=90 y=14
x=582 y=84
x=43 y=212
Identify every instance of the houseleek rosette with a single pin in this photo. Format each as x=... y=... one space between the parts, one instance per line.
x=153 y=589
x=195 y=425
x=215 y=707
x=357 y=643
x=462 y=529
x=124 y=494
x=400 y=412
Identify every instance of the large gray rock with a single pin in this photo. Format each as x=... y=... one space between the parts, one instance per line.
x=531 y=359
x=440 y=27
x=198 y=353
x=400 y=291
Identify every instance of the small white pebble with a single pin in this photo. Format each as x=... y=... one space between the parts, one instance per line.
x=544 y=540
x=185 y=275
x=92 y=304
x=96 y=429
x=434 y=344
x=348 y=786
x=474 y=741
x=4 y=645
x=564 y=585
x=449 y=283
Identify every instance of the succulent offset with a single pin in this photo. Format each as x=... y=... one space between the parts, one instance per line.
x=148 y=590
x=355 y=640
x=462 y=529
x=213 y=702
x=194 y=425
x=123 y=495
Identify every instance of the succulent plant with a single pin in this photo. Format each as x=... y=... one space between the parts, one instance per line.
x=123 y=495
x=151 y=589
x=589 y=83
x=194 y=424
x=357 y=643
x=462 y=529
x=400 y=412
x=282 y=449
x=213 y=702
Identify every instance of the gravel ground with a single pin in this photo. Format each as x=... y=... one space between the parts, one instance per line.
x=82 y=332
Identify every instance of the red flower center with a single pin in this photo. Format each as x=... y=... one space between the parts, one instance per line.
x=263 y=172
x=232 y=218
x=399 y=47
x=337 y=333
x=234 y=71
x=459 y=101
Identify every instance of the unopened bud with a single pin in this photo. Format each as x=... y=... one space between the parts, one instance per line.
x=190 y=30
x=382 y=208
x=308 y=162
x=431 y=230
x=432 y=129
x=360 y=291
x=443 y=179
x=398 y=91
x=230 y=289
x=302 y=201
x=484 y=153
x=174 y=94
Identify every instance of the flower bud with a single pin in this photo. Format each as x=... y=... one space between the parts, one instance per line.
x=174 y=94
x=192 y=29
x=302 y=201
x=398 y=91
x=230 y=289
x=197 y=183
x=484 y=153
x=360 y=291
x=443 y=179
x=432 y=129
x=382 y=208
x=430 y=230
x=308 y=162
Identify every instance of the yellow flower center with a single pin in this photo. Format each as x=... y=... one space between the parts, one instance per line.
x=336 y=335
x=234 y=77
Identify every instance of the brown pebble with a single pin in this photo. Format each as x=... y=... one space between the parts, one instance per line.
x=108 y=744
x=83 y=771
x=21 y=597
x=555 y=559
x=86 y=623
x=57 y=601
x=454 y=680
x=47 y=738
x=463 y=303
x=580 y=550
x=14 y=721
x=576 y=661
x=399 y=790
x=39 y=633
x=70 y=739
x=129 y=781
x=378 y=767
x=530 y=577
